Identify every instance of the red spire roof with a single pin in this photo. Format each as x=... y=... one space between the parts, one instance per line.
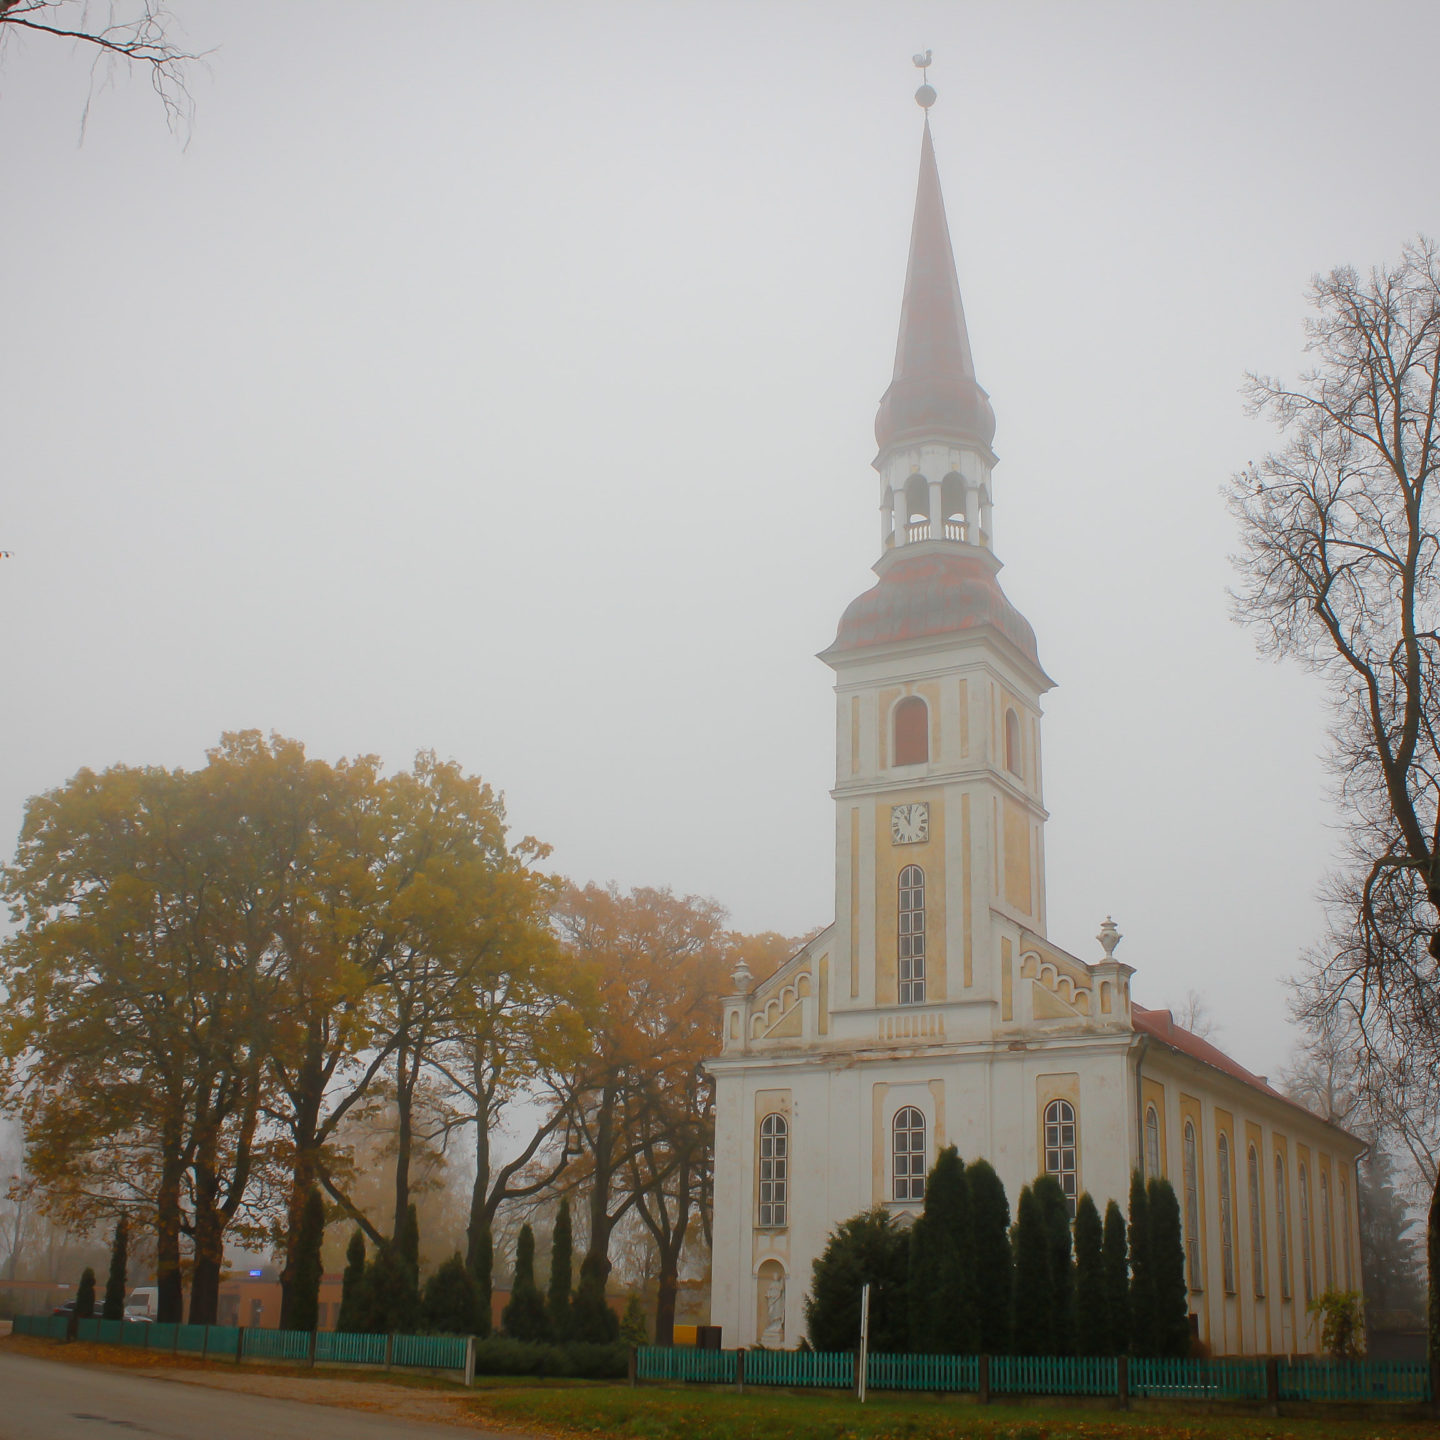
x=933 y=394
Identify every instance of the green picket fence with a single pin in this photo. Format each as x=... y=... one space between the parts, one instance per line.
x=820 y=1368
x=1354 y=1380
x=680 y=1362
x=277 y=1344
x=1053 y=1375
x=430 y=1352
x=351 y=1349
x=940 y=1373
x=42 y=1327
x=1198 y=1379
x=223 y=1341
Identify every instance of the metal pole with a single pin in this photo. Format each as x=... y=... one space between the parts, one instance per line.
x=864 y=1342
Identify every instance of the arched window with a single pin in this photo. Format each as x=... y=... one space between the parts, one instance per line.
x=1061 y=1149
x=1282 y=1225
x=774 y=1170
x=1227 y=1239
x=1305 y=1258
x=1152 y=1143
x=910 y=922
x=1257 y=1246
x=1192 y=1209
x=908 y=1149
x=912 y=731
x=1012 y=742
x=1326 y=1244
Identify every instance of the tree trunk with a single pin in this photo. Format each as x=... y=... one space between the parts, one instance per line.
x=209 y=1246
x=169 y=1285
x=404 y=1135
x=305 y=1167
x=669 y=1287
x=478 y=1229
x=597 y=1253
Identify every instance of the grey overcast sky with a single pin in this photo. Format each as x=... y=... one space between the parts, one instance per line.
x=500 y=378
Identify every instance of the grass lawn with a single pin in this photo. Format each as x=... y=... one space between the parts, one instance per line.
x=616 y=1412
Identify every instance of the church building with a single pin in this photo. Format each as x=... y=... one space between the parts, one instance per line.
x=934 y=1011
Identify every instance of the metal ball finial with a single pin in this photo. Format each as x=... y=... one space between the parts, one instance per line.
x=925 y=95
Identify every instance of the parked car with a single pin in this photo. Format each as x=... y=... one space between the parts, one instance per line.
x=68 y=1308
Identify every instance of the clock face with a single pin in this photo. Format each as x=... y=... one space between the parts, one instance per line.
x=910 y=824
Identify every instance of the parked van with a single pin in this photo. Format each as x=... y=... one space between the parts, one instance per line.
x=143 y=1304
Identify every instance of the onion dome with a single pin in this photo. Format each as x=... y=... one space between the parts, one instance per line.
x=931 y=594
x=933 y=393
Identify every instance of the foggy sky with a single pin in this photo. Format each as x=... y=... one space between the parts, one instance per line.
x=500 y=378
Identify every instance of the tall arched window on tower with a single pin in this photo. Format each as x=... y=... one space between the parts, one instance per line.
x=1282 y=1225
x=1345 y=1231
x=1012 y=743
x=1327 y=1248
x=1306 y=1264
x=1192 y=1209
x=1061 y=1149
x=774 y=1171
x=1152 y=1143
x=1257 y=1246
x=907 y=1140
x=1227 y=1216
x=912 y=731
x=910 y=922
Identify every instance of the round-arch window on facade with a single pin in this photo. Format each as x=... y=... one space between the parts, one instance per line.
x=910 y=941
x=908 y=1154
x=1192 y=1209
x=1061 y=1149
x=912 y=731
x=1152 y=1143
x=1012 y=742
x=774 y=1170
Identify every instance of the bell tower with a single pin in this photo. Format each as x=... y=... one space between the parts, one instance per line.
x=940 y=858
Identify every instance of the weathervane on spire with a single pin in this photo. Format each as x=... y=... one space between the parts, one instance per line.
x=925 y=95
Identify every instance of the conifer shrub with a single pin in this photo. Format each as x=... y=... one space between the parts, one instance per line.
x=633 y=1329
x=992 y=1265
x=389 y=1297
x=448 y=1304
x=352 y=1284
x=115 y=1282
x=592 y=1321
x=525 y=1317
x=867 y=1248
x=1034 y=1327
x=499 y=1355
x=942 y=1318
x=557 y=1294
x=1142 y=1280
x=85 y=1295
x=1092 y=1310
x=1167 y=1264
x=1116 y=1266
x=1056 y=1214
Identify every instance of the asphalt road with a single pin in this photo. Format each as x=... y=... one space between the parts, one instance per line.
x=50 y=1400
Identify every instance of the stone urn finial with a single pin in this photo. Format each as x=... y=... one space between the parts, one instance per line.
x=741 y=978
x=1109 y=937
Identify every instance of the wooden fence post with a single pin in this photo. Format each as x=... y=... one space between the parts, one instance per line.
x=311 y=1356
x=1122 y=1381
x=389 y=1348
x=205 y=1345
x=1272 y=1385
x=239 y=1343
x=469 y=1361
x=631 y=1368
x=740 y=1371
x=984 y=1379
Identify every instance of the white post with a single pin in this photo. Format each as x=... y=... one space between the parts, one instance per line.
x=864 y=1341
x=469 y=1361
x=937 y=513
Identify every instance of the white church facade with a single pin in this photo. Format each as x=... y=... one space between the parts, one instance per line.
x=933 y=1010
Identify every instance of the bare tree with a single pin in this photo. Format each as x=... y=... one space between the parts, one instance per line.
x=1338 y=571
x=138 y=34
x=1193 y=1013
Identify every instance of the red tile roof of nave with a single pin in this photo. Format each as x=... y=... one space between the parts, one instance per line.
x=1160 y=1025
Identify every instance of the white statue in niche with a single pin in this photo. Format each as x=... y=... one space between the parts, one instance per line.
x=773 y=1335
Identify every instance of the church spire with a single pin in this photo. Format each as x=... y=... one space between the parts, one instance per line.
x=933 y=393
x=935 y=424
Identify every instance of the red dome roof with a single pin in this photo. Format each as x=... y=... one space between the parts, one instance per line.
x=933 y=594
